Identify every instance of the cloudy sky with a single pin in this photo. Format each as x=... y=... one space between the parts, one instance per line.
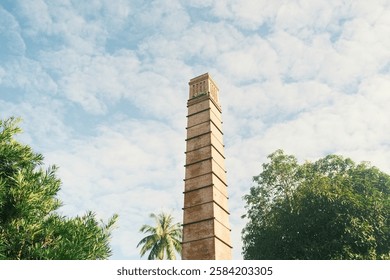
x=102 y=88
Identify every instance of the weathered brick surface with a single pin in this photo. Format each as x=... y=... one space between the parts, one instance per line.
x=219 y=171
x=201 y=105
x=215 y=117
x=220 y=198
x=199 y=168
x=203 y=249
x=222 y=251
x=221 y=232
x=217 y=157
x=221 y=215
x=199 y=182
x=217 y=144
x=216 y=132
x=203 y=167
x=220 y=185
x=203 y=181
x=199 y=196
x=199 y=155
x=197 y=130
x=199 y=142
x=198 y=213
x=203 y=195
x=201 y=117
x=199 y=230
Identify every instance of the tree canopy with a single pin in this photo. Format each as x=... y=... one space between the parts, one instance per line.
x=163 y=239
x=30 y=226
x=329 y=209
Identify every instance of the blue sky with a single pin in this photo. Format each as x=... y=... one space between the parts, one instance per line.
x=102 y=88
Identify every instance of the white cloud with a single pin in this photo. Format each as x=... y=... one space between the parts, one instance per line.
x=113 y=14
x=251 y=60
x=12 y=43
x=29 y=76
x=2 y=74
x=308 y=18
x=131 y=168
x=253 y=14
x=201 y=43
x=42 y=121
x=169 y=17
x=93 y=81
x=8 y=21
x=37 y=17
x=349 y=123
x=99 y=81
x=84 y=28
x=252 y=109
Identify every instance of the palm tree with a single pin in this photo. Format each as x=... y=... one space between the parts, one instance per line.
x=163 y=239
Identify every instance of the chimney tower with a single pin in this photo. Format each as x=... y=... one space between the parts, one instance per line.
x=206 y=229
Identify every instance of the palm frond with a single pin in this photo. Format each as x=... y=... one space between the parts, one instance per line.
x=164 y=239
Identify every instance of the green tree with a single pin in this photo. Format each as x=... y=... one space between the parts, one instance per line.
x=330 y=209
x=163 y=239
x=30 y=227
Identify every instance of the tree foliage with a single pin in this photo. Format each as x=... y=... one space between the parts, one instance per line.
x=163 y=239
x=330 y=209
x=30 y=227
